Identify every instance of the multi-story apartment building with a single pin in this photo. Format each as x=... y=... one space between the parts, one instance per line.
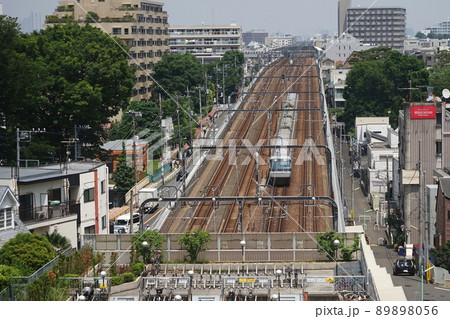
x=381 y=26
x=71 y=198
x=142 y=25
x=343 y=6
x=279 y=41
x=442 y=28
x=207 y=43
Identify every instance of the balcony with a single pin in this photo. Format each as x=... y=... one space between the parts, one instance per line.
x=70 y=18
x=31 y=216
x=65 y=9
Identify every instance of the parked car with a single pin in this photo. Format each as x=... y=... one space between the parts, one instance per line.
x=404 y=266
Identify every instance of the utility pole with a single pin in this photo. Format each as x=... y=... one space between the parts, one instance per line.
x=421 y=218
x=134 y=114
x=223 y=82
x=163 y=137
x=351 y=177
x=388 y=193
x=200 y=109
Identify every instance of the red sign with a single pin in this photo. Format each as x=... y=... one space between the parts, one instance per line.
x=420 y=112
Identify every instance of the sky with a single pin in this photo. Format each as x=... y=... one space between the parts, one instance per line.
x=296 y=17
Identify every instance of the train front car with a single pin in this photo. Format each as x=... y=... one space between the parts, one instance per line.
x=280 y=163
x=280 y=170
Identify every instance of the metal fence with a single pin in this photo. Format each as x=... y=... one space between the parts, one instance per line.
x=260 y=247
x=19 y=284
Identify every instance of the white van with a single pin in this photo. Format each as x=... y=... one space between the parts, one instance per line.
x=122 y=224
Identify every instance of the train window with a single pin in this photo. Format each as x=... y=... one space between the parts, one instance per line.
x=280 y=164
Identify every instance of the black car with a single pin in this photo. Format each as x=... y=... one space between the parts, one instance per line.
x=404 y=266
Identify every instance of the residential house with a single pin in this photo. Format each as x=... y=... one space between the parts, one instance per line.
x=70 y=198
x=10 y=224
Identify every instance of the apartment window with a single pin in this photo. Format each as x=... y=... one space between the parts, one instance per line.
x=6 y=218
x=88 y=195
x=103 y=222
x=117 y=31
x=448 y=214
x=103 y=186
x=439 y=147
x=89 y=230
x=101 y=0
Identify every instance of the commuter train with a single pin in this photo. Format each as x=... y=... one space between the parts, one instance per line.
x=280 y=163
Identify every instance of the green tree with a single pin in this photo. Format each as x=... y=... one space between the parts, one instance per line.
x=229 y=67
x=194 y=242
x=57 y=240
x=375 y=85
x=27 y=252
x=6 y=272
x=325 y=243
x=145 y=125
x=347 y=251
x=420 y=35
x=124 y=174
x=443 y=256
x=440 y=73
x=176 y=73
x=442 y=59
x=154 y=248
x=65 y=75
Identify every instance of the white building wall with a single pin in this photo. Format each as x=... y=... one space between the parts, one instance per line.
x=66 y=229
x=374 y=124
x=11 y=183
x=89 y=209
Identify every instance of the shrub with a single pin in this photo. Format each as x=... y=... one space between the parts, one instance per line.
x=138 y=268
x=128 y=277
x=116 y=280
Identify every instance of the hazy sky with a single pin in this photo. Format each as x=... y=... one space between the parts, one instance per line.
x=284 y=16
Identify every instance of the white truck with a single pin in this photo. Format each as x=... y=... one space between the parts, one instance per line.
x=146 y=206
x=122 y=224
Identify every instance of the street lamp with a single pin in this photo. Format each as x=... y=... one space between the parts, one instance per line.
x=243 y=256
x=278 y=273
x=103 y=285
x=191 y=275
x=178 y=298
x=144 y=252
x=336 y=244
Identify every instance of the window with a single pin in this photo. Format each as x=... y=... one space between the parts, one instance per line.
x=117 y=31
x=103 y=222
x=103 y=186
x=6 y=218
x=89 y=230
x=448 y=214
x=439 y=148
x=88 y=195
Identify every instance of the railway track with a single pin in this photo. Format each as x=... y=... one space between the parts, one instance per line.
x=235 y=174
